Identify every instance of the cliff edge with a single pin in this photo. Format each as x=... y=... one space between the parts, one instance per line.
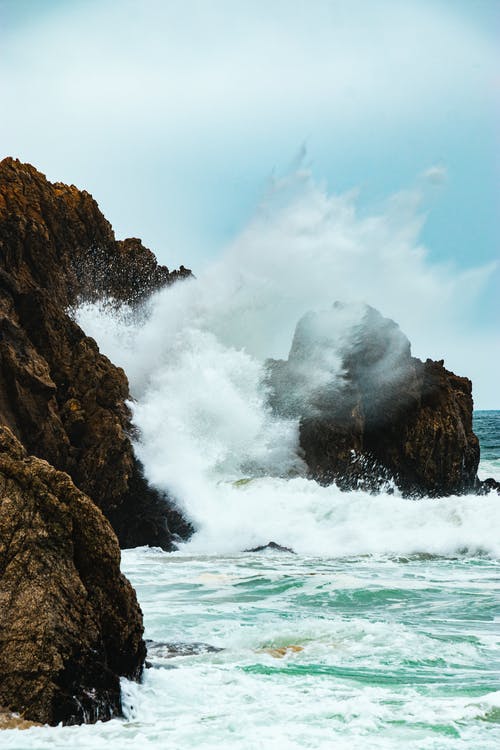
x=62 y=399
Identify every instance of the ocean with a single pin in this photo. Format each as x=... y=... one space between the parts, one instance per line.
x=382 y=629
x=390 y=639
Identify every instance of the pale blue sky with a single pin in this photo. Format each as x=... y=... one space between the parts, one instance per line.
x=174 y=114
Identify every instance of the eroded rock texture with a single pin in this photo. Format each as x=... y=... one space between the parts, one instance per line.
x=370 y=413
x=59 y=395
x=70 y=624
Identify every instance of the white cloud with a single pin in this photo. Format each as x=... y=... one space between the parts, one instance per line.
x=164 y=65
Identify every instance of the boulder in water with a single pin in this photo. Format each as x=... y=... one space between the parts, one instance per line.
x=371 y=415
x=158 y=651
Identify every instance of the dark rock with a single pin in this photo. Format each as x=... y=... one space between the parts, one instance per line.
x=371 y=415
x=270 y=546
x=70 y=623
x=488 y=485
x=59 y=395
x=147 y=517
x=56 y=235
x=159 y=651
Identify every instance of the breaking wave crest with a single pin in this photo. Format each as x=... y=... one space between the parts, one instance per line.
x=195 y=361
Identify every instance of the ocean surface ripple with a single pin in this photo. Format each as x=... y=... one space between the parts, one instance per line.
x=375 y=649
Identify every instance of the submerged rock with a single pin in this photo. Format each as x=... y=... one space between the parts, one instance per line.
x=70 y=623
x=270 y=546
x=371 y=415
x=59 y=395
x=159 y=651
x=278 y=652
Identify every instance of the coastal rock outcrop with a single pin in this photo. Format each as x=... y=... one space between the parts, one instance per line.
x=59 y=395
x=70 y=623
x=371 y=415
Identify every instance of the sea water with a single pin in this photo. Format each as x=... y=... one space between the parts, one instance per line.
x=382 y=628
x=356 y=649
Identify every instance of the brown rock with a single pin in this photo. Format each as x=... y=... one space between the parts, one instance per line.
x=59 y=395
x=382 y=416
x=54 y=235
x=9 y=720
x=280 y=651
x=70 y=622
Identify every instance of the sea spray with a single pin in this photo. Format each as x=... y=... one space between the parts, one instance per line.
x=195 y=359
x=303 y=250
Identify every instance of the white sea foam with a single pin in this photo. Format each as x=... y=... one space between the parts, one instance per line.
x=381 y=659
x=489 y=468
x=195 y=363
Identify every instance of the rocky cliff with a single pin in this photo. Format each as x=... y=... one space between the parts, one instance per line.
x=59 y=395
x=371 y=415
x=70 y=624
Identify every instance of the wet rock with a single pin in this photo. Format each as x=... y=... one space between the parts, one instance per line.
x=70 y=623
x=372 y=416
x=270 y=546
x=278 y=652
x=489 y=485
x=159 y=651
x=10 y=720
x=59 y=395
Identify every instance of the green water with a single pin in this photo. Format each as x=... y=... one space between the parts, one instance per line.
x=362 y=652
x=395 y=645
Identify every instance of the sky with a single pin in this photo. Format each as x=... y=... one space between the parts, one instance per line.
x=176 y=115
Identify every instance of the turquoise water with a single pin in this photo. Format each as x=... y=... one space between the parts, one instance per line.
x=387 y=649
x=392 y=651
x=487 y=428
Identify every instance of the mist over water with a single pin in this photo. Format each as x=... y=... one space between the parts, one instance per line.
x=195 y=361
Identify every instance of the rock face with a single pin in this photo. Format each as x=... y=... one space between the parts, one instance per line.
x=70 y=624
x=59 y=395
x=370 y=413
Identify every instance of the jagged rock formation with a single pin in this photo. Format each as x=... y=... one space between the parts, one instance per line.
x=59 y=395
x=70 y=623
x=370 y=413
x=55 y=235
